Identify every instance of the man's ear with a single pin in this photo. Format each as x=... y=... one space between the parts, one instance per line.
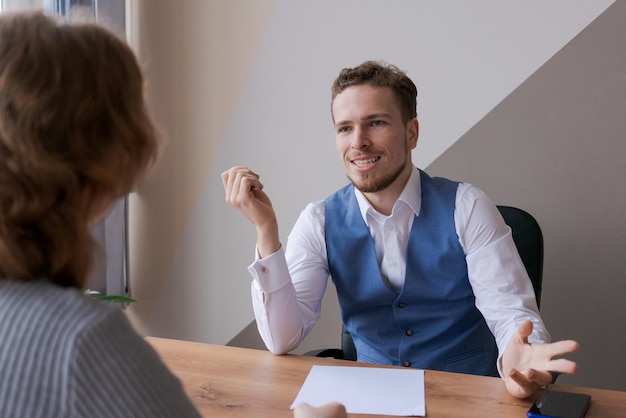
x=413 y=131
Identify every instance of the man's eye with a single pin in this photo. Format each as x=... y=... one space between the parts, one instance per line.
x=343 y=129
x=377 y=122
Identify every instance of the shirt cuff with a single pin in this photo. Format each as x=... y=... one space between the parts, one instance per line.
x=271 y=272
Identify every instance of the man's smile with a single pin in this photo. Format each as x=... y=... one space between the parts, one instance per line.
x=365 y=162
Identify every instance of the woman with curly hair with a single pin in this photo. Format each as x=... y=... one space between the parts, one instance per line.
x=75 y=136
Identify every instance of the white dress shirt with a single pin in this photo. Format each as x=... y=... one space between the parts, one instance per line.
x=288 y=286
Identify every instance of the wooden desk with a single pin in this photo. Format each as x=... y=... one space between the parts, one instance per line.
x=239 y=382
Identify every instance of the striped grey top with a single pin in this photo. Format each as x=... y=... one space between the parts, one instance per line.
x=65 y=355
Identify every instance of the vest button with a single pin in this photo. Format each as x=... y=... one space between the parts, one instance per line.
x=408 y=332
x=406 y=363
x=401 y=305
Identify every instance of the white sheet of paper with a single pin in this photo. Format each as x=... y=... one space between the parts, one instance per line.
x=366 y=390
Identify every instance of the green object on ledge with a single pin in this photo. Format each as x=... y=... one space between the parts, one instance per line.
x=94 y=294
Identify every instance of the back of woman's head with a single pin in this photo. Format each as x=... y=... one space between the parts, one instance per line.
x=75 y=136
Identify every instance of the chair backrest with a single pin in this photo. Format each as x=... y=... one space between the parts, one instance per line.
x=529 y=242
x=528 y=239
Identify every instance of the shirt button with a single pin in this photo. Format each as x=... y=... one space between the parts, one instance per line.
x=401 y=305
x=406 y=363
x=263 y=270
x=408 y=332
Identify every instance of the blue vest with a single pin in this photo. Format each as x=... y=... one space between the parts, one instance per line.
x=432 y=323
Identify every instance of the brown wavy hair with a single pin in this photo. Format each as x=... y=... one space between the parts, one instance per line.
x=75 y=136
x=380 y=74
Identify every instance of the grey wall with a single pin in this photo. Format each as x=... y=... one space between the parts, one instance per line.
x=247 y=82
x=556 y=147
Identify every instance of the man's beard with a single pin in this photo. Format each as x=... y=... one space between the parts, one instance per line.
x=373 y=185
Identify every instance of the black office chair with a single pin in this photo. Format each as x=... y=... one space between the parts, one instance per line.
x=529 y=242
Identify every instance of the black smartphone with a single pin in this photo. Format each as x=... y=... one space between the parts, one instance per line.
x=556 y=404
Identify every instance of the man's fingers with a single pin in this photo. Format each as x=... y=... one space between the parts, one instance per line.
x=519 y=385
x=238 y=181
x=244 y=184
x=560 y=348
x=562 y=365
x=228 y=175
x=540 y=378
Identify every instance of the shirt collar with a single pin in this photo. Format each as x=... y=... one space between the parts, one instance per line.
x=411 y=195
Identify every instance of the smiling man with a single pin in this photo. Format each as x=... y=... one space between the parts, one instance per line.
x=426 y=271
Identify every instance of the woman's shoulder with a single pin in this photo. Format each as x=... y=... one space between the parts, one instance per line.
x=45 y=306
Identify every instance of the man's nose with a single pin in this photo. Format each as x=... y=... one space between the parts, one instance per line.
x=360 y=139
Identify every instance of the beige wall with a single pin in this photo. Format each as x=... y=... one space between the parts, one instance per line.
x=197 y=55
x=247 y=82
